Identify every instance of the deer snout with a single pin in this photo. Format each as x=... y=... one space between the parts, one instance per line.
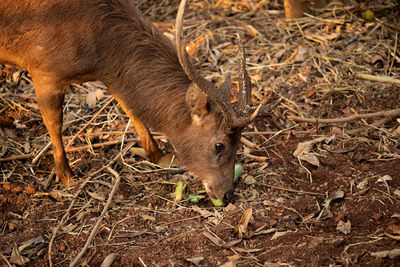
x=225 y=194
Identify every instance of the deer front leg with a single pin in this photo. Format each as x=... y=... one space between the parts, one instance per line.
x=50 y=98
x=149 y=145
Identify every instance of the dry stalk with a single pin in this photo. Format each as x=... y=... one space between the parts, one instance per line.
x=64 y=218
x=387 y=113
x=89 y=122
x=377 y=78
x=99 y=220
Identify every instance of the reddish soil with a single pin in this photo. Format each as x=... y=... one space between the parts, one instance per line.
x=289 y=226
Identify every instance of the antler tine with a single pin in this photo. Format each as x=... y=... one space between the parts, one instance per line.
x=245 y=82
x=220 y=97
x=244 y=97
x=244 y=107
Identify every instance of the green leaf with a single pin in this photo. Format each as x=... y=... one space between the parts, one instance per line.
x=179 y=191
x=238 y=171
x=195 y=198
x=217 y=202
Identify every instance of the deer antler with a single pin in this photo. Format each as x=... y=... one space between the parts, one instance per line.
x=244 y=106
x=234 y=118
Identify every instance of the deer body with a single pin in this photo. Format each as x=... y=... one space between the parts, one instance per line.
x=71 y=41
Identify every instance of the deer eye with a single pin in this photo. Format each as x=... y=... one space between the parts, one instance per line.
x=219 y=147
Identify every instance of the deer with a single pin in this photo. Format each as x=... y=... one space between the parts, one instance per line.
x=61 y=42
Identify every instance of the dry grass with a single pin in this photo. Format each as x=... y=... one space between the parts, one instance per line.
x=315 y=67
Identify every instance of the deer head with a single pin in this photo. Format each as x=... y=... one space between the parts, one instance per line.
x=215 y=130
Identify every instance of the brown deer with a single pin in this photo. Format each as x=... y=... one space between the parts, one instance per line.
x=72 y=41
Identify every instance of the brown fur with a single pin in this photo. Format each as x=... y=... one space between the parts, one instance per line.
x=65 y=41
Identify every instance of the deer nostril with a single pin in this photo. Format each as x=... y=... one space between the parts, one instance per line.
x=228 y=197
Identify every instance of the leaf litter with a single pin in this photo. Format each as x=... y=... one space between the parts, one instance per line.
x=319 y=76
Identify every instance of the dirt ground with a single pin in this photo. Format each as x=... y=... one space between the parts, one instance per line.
x=320 y=193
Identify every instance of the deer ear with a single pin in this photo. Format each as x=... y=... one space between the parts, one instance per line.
x=197 y=101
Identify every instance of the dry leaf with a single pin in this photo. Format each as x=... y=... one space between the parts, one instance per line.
x=7 y=186
x=30 y=190
x=194 y=45
x=265 y=232
x=375 y=58
x=91 y=99
x=251 y=31
x=274 y=264
x=310 y=158
x=228 y=264
x=93 y=96
x=279 y=234
x=96 y=196
x=168 y=160
x=326 y=210
x=99 y=94
x=323 y=37
x=10 y=133
x=108 y=261
x=19 y=125
x=148 y=218
x=249 y=250
x=394 y=228
x=27 y=147
x=219 y=242
x=250 y=180
x=344 y=227
x=138 y=151
x=279 y=54
x=363 y=184
x=17 y=258
x=196 y=261
x=234 y=257
x=230 y=207
x=204 y=213
x=397 y=131
x=306 y=147
x=69 y=228
x=384 y=178
x=338 y=194
x=244 y=222
x=299 y=55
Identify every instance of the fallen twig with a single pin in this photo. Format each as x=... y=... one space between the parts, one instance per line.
x=395 y=237
x=64 y=218
x=387 y=113
x=39 y=155
x=376 y=124
x=5 y=259
x=99 y=220
x=293 y=190
x=375 y=78
x=90 y=121
x=75 y=149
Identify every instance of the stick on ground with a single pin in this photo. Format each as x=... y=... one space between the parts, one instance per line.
x=99 y=220
x=387 y=113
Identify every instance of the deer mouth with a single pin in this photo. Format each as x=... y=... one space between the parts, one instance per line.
x=209 y=191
